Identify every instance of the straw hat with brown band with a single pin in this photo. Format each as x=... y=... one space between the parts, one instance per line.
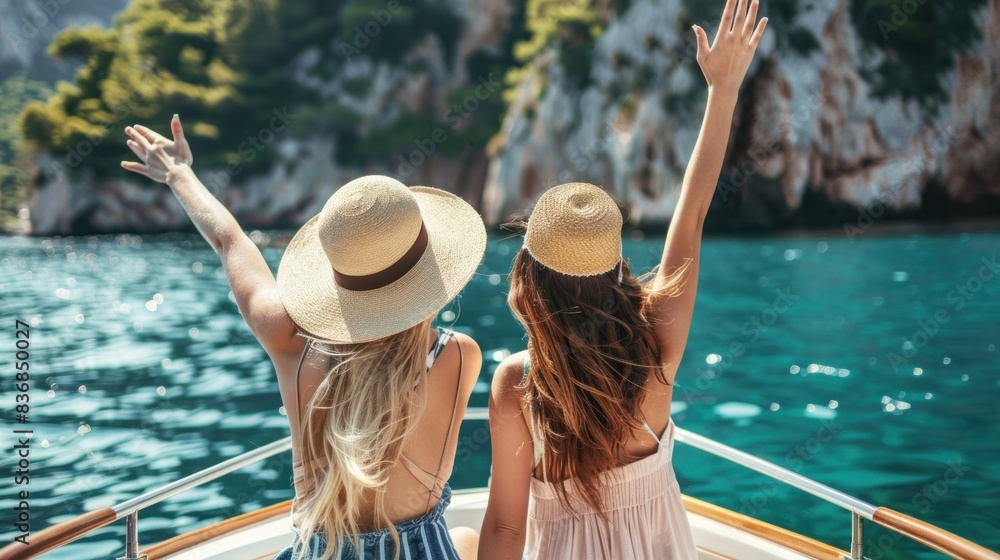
x=575 y=229
x=378 y=259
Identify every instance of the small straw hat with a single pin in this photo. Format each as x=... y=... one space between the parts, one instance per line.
x=378 y=259
x=575 y=229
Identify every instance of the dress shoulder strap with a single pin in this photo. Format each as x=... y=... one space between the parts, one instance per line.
x=668 y=434
x=298 y=372
x=444 y=336
x=298 y=467
x=433 y=481
x=651 y=432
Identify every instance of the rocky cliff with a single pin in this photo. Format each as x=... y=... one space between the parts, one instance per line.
x=812 y=142
x=27 y=27
x=425 y=95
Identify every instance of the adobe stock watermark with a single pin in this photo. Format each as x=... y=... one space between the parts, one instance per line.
x=958 y=297
x=901 y=13
x=457 y=113
x=105 y=467
x=867 y=215
x=924 y=501
x=251 y=147
x=795 y=459
x=83 y=149
x=687 y=52
x=469 y=445
x=461 y=110
x=366 y=33
x=759 y=153
x=39 y=14
x=752 y=330
x=582 y=156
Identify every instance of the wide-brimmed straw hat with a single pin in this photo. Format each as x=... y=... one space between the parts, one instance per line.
x=575 y=229
x=378 y=259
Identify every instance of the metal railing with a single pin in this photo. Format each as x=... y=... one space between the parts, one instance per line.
x=129 y=509
x=859 y=509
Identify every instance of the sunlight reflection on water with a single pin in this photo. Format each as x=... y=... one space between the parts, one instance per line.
x=145 y=372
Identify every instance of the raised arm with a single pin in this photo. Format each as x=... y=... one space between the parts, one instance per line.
x=249 y=276
x=724 y=65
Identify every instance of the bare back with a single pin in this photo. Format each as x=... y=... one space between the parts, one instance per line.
x=446 y=396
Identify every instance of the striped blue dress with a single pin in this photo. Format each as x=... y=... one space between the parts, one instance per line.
x=423 y=538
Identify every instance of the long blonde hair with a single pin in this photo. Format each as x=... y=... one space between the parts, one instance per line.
x=354 y=429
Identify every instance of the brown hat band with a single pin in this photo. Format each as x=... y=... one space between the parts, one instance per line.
x=386 y=276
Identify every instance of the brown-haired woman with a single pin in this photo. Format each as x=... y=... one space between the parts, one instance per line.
x=591 y=395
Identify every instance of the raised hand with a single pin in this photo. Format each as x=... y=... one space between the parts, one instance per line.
x=158 y=154
x=725 y=63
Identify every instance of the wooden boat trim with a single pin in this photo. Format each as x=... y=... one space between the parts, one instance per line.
x=930 y=536
x=922 y=532
x=773 y=533
x=57 y=535
x=198 y=536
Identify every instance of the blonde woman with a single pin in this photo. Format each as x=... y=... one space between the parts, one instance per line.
x=580 y=422
x=374 y=395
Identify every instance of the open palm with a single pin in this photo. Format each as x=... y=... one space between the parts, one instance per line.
x=725 y=63
x=157 y=153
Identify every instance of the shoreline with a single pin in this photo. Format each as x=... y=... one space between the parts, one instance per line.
x=280 y=236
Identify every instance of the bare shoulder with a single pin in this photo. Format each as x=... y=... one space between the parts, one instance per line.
x=507 y=404
x=508 y=377
x=468 y=345
x=463 y=349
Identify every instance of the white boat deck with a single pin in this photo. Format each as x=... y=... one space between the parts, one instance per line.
x=262 y=540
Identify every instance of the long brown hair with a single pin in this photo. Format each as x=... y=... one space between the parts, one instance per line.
x=592 y=349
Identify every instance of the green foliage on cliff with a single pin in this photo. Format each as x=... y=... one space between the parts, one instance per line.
x=912 y=44
x=243 y=72
x=15 y=93
x=570 y=27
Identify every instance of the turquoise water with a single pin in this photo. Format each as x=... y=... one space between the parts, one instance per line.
x=143 y=371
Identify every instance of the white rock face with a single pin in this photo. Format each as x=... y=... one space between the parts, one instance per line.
x=295 y=188
x=808 y=136
x=27 y=28
x=806 y=126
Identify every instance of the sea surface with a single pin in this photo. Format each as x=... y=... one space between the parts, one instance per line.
x=870 y=364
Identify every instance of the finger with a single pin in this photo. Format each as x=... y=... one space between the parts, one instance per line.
x=183 y=149
x=136 y=167
x=759 y=32
x=150 y=135
x=702 y=39
x=751 y=18
x=741 y=15
x=727 y=16
x=139 y=138
x=177 y=129
x=135 y=136
x=134 y=146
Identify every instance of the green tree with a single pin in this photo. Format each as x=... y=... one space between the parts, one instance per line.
x=227 y=66
x=914 y=44
x=15 y=93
